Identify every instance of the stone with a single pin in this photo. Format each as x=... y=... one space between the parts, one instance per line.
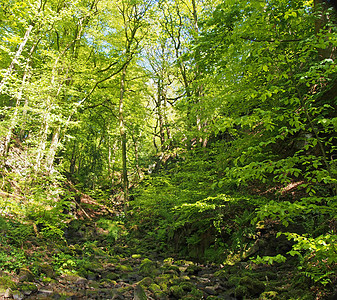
x=148 y=268
x=47 y=270
x=254 y=286
x=17 y=295
x=177 y=291
x=155 y=288
x=210 y=290
x=26 y=275
x=146 y=282
x=8 y=293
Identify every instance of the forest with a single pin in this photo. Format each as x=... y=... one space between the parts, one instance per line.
x=168 y=149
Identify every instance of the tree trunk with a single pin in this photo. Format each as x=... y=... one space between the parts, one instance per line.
x=125 y=182
x=16 y=58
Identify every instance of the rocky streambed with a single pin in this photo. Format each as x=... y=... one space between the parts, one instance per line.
x=139 y=278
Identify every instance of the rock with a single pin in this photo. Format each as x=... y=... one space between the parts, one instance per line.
x=241 y=291
x=125 y=268
x=8 y=293
x=26 y=275
x=28 y=288
x=73 y=279
x=146 y=282
x=187 y=286
x=139 y=293
x=210 y=290
x=177 y=291
x=17 y=295
x=155 y=288
x=47 y=270
x=254 y=286
x=148 y=268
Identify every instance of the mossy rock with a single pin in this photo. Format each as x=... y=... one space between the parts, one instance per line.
x=241 y=291
x=187 y=286
x=26 y=275
x=125 y=268
x=47 y=280
x=28 y=287
x=155 y=288
x=46 y=269
x=195 y=294
x=254 y=286
x=124 y=289
x=7 y=282
x=146 y=282
x=163 y=278
x=171 y=269
x=148 y=268
x=233 y=281
x=163 y=282
x=177 y=291
x=268 y=295
x=169 y=260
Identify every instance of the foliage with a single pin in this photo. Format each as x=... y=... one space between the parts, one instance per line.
x=231 y=106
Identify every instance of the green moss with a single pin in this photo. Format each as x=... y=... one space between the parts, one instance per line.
x=177 y=291
x=268 y=295
x=187 y=286
x=7 y=282
x=146 y=282
x=196 y=294
x=93 y=284
x=155 y=288
x=221 y=274
x=28 y=287
x=148 y=268
x=112 y=276
x=124 y=289
x=125 y=268
x=240 y=291
x=233 y=281
x=254 y=286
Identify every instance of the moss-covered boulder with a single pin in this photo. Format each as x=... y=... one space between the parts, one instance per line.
x=28 y=288
x=7 y=282
x=155 y=288
x=146 y=282
x=26 y=275
x=124 y=268
x=249 y=287
x=177 y=291
x=148 y=268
